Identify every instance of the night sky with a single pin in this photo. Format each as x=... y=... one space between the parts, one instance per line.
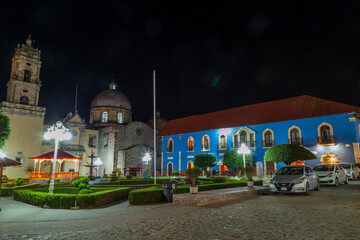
x=209 y=55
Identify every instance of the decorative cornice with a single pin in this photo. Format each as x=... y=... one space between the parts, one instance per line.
x=21 y=109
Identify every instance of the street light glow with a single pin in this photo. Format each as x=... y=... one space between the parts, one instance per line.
x=147 y=158
x=243 y=150
x=98 y=161
x=2 y=154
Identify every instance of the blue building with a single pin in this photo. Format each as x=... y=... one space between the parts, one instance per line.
x=327 y=128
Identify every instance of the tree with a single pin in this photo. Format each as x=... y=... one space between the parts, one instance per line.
x=288 y=153
x=4 y=130
x=204 y=161
x=235 y=160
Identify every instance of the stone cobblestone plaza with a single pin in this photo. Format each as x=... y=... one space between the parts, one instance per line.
x=328 y=214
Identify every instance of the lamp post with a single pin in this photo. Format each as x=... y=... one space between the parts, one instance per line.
x=243 y=150
x=58 y=132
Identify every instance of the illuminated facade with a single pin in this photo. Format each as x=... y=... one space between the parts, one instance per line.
x=321 y=126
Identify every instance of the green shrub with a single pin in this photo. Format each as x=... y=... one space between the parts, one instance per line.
x=129 y=176
x=85 y=191
x=143 y=196
x=218 y=179
x=193 y=172
x=18 y=181
x=76 y=183
x=113 y=176
x=175 y=173
x=8 y=189
x=91 y=200
x=249 y=170
x=83 y=183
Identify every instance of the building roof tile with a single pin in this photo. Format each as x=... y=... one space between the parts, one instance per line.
x=274 y=111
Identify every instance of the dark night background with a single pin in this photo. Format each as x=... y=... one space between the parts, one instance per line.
x=209 y=55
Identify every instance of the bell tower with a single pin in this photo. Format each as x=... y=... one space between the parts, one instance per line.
x=24 y=85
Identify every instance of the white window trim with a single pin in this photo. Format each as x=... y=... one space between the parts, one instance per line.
x=203 y=143
x=221 y=148
x=248 y=132
x=300 y=135
x=272 y=136
x=168 y=173
x=187 y=147
x=170 y=139
x=107 y=116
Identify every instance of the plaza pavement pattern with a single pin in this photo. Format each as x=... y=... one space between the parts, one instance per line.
x=331 y=213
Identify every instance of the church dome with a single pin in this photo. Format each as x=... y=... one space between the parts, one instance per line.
x=111 y=98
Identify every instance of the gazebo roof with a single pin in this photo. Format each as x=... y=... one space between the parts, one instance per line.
x=6 y=162
x=61 y=155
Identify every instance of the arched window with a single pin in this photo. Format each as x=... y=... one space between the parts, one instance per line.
x=205 y=143
x=24 y=100
x=170 y=146
x=268 y=140
x=104 y=117
x=326 y=135
x=222 y=142
x=243 y=135
x=295 y=136
x=27 y=75
x=190 y=164
x=169 y=168
x=190 y=144
x=120 y=117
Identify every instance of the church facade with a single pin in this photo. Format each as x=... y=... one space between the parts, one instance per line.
x=111 y=134
x=324 y=127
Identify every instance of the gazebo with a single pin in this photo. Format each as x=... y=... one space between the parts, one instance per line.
x=61 y=158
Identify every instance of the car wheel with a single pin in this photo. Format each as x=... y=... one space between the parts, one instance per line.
x=307 y=190
x=317 y=188
x=336 y=182
x=346 y=181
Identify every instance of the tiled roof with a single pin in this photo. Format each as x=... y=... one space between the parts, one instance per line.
x=61 y=155
x=274 y=111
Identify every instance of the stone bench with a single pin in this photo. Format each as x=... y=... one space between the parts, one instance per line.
x=215 y=196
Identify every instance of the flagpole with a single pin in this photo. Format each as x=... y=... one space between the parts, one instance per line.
x=154 y=113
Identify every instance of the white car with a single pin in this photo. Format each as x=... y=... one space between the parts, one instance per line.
x=331 y=174
x=294 y=179
x=352 y=171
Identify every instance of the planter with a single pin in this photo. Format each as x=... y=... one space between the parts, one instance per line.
x=250 y=184
x=194 y=189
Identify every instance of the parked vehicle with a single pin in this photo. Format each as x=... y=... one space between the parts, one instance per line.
x=352 y=171
x=331 y=174
x=295 y=179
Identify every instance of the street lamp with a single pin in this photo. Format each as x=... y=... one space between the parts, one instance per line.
x=147 y=159
x=243 y=150
x=60 y=133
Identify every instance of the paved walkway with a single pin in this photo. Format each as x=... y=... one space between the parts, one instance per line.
x=331 y=213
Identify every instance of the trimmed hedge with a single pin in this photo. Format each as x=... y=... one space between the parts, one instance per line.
x=39 y=198
x=155 y=194
x=9 y=190
x=143 y=196
x=124 y=181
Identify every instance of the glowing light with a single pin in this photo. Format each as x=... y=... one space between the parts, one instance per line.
x=147 y=158
x=58 y=132
x=314 y=152
x=243 y=149
x=2 y=154
x=98 y=161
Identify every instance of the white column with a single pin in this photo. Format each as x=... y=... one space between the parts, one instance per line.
x=179 y=161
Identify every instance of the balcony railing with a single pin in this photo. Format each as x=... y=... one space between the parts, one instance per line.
x=326 y=141
x=58 y=175
x=268 y=144
x=251 y=144
x=296 y=142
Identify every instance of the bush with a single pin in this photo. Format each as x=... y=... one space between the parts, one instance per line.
x=113 y=176
x=175 y=173
x=18 y=181
x=218 y=179
x=143 y=196
x=249 y=172
x=193 y=172
x=85 y=191
x=129 y=176
x=8 y=189
x=83 y=183
x=90 y=200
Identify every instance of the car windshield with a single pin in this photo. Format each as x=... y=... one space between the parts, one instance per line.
x=324 y=168
x=290 y=171
x=346 y=166
x=357 y=164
